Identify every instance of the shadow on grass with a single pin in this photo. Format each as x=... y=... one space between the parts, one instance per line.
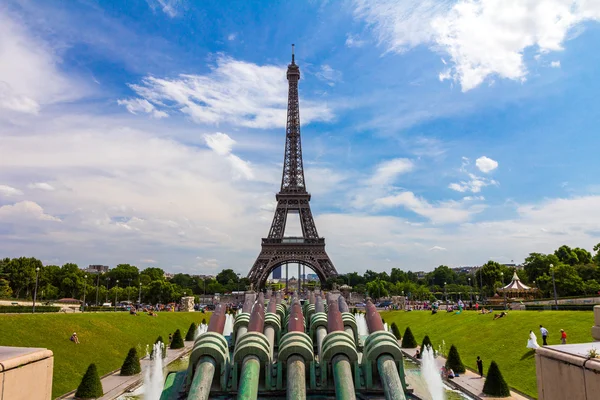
x=529 y=354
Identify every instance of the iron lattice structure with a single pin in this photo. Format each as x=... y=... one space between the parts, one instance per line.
x=308 y=250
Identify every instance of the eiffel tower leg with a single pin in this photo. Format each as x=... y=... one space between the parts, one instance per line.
x=299 y=281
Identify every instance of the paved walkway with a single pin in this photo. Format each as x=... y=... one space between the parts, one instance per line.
x=115 y=385
x=469 y=382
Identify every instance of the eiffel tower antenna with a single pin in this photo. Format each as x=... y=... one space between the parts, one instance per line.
x=308 y=250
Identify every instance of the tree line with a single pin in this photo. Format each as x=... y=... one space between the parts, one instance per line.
x=576 y=272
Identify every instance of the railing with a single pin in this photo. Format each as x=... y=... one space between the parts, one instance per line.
x=293 y=240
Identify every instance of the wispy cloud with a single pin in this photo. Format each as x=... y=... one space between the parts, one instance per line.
x=169 y=7
x=6 y=190
x=329 y=75
x=354 y=41
x=387 y=171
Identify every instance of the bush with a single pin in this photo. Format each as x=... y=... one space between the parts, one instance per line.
x=131 y=365
x=90 y=386
x=454 y=362
x=396 y=331
x=191 y=332
x=355 y=310
x=177 y=342
x=99 y=308
x=426 y=342
x=164 y=347
x=495 y=385
x=204 y=321
x=27 y=309
x=408 y=340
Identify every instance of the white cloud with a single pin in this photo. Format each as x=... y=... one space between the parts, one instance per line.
x=231 y=36
x=555 y=64
x=437 y=248
x=169 y=7
x=29 y=73
x=24 y=210
x=222 y=144
x=41 y=185
x=354 y=41
x=236 y=92
x=142 y=105
x=329 y=75
x=486 y=164
x=387 y=171
x=473 y=185
x=9 y=191
x=481 y=38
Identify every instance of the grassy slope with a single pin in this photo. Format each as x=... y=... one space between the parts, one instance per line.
x=503 y=340
x=105 y=338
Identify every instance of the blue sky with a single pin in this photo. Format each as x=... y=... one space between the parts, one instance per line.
x=434 y=132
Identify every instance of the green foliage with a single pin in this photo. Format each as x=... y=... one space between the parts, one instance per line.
x=227 y=275
x=177 y=342
x=191 y=333
x=28 y=309
x=164 y=347
x=453 y=361
x=377 y=288
x=408 y=339
x=131 y=365
x=5 y=290
x=426 y=342
x=204 y=321
x=90 y=386
x=495 y=385
x=396 y=330
x=355 y=310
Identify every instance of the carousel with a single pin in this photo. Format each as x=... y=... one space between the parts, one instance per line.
x=517 y=290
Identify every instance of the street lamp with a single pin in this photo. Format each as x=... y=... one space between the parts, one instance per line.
x=107 y=287
x=128 y=291
x=84 y=290
x=37 y=271
x=238 y=293
x=470 y=291
x=116 y=291
x=98 y=285
x=445 y=296
x=554 y=285
x=503 y=288
x=140 y=294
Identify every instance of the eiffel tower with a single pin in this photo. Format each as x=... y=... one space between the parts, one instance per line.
x=277 y=250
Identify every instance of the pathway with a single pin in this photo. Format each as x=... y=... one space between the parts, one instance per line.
x=469 y=382
x=115 y=385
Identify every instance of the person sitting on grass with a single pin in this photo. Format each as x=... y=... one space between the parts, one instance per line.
x=451 y=374
x=74 y=338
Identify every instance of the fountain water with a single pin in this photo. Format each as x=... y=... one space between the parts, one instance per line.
x=228 y=325
x=153 y=376
x=386 y=327
x=361 y=324
x=201 y=329
x=431 y=374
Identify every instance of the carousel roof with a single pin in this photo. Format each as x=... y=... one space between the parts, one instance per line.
x=515 y=285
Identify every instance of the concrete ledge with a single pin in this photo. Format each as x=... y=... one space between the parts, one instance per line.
x=13 y=357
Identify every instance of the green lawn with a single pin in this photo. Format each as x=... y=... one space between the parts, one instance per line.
x=503 y=340
x=105 y=338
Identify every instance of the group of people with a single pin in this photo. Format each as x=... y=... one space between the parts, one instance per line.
x=532 y=342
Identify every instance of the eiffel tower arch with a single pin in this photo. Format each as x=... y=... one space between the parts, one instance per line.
x=308 y=249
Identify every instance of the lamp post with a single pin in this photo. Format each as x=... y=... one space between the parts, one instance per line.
x=128 y=291
x=503 y=288
x=535 y=287
x=107 y=287
x=554 y=285
x=140 y=294
x=238 y=291
x=37 y=272
x=116 y=291
x=84 y=290
x=445 y=296
x=98 y=285
x=470 y=291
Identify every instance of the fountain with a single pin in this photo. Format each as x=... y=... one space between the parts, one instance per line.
x=153 y=375
x=361 y=323
x=200 y=330
x=431 y=375
x=228 y=325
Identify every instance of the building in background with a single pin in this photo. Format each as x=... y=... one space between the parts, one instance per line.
x=97 y=269
x=277 y=273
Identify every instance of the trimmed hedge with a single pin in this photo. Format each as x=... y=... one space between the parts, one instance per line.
x=90 y=386
x=495 y=385
x=191 y=332
x=27 y=309
x=131 y=365
x=396 y=331
x=98 y=308
x=454 y=362
x=164 y=348
x=177 y=342
x=561 y=307
x=426 y=342
x=408 y=339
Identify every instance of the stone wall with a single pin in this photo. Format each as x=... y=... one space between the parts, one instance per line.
x=26 y=373
x=187 y=304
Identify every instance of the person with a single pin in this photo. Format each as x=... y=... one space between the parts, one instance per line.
x=544 y=332
x=170 y=337
x=74 y=338
x=477 y=306
x=532 y=342
x=480 y=366
x=417 y=354
x=563 y=336
x=451 y=374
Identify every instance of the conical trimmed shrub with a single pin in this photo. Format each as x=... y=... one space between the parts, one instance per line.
x=495 y=385
x=408 y=340
x=454 y=362
x=177 y=342
x=204 y=321
x=396 y=331
x=426 y=342
x=90 y=386
x=164 y=347
x=131 y=365
x=191 y=333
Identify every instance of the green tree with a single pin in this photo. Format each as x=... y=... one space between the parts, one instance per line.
x=21 y=273
x=442 y=274
x=596 y=257
x=155 y=274
x=566 y=255
x=191 y=333
x=227 y=275
x=453 y=361
x=396 y=330
x=131 y=365
x=397 y=275
x=124 y=273
x=426 y=342
x=495 y=385
x=568 y=282
x=537 y=264
x=90 y=386
x=583 y=256
x=5 y=290
x=408 y=339
x=377 y=288
x=177 y=342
